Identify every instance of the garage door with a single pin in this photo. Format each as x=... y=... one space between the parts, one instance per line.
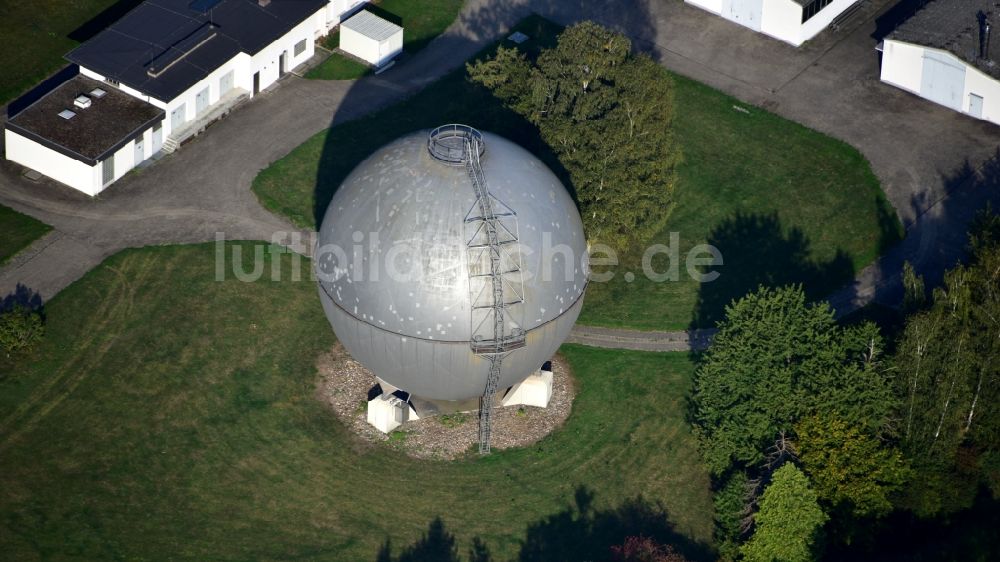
x=943 y=79
x=744 y=12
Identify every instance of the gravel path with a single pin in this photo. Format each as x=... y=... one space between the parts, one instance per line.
x=344 y=385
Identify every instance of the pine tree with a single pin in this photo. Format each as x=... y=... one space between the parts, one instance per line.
x=775 y=360
x=788 y=522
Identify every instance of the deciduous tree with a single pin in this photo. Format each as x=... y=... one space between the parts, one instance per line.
x=20 y=329
x=849 y=466
x=948 y=363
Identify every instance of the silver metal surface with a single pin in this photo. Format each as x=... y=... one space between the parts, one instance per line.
x=398 y=295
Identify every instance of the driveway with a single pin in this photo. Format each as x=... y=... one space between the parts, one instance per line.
x=831 y=84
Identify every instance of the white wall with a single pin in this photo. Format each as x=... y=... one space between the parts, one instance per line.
x=241 y=79
x=55 y=165
x=903 y=65
x=987 y=87
x=266 y=61
x=361 y=46
x=782 y=19
x=390 y=48
x=825 y=17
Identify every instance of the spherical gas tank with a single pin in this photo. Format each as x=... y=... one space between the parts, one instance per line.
x=404 y=279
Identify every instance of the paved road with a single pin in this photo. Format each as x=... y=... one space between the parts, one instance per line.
x=917 y=149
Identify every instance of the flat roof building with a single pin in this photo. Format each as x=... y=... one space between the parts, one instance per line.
x=943 y=53
x=180 y=63
x=71 y=132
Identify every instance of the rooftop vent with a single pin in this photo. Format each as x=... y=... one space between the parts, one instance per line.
x=67 y=114
x=82 y=101
x=97 y=93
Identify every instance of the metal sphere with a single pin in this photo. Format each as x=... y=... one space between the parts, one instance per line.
x=393 y=265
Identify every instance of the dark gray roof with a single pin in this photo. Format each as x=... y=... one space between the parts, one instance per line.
x=183 y=43
x=94 y=133
x=954 y=26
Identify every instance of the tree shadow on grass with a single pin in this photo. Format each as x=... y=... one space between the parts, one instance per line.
x=98 y=23
x=436 y=545
x=24 y=297
x=758 y=250
x=935 y=241
x=578 y=532
x=583 y=532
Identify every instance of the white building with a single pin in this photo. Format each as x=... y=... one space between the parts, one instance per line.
x=942 y=54
x=371 y=38
x=190 y=60
x=792 y=21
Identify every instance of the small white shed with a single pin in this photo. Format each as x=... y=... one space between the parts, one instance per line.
x=371 y=38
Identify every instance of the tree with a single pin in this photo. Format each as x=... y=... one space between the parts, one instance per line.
x=733 y=514
x=607 y=115
x=849 y=466
x=20 y=329
x=788 y=522
x=775 y=360
x=948 y=363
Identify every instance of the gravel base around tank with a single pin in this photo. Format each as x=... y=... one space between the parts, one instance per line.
x=344 y=385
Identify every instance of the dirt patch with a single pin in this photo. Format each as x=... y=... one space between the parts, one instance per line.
x=344 y=385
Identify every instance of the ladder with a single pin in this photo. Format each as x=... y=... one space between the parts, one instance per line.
x=494 y=280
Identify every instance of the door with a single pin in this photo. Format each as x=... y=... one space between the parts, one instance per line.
x=225 y=83
x=140 y=151
x=108 y=170
x=201 y=101
x=177 y=118
x=157 y=138
x=256 y=83
x=744 y=12
x=976 y=106
x=943 y=79
x=281 y=64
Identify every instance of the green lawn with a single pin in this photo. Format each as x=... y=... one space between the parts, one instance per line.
x=168 y=415
x=783 y=203
x=337 y=66
x=19 y=231
x=422 y=21
x=35 y=36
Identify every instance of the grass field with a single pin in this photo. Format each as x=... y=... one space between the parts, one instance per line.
x=168 y=415
x=783 y=203
x=37 y=34
x=19 y=231
x=337 y=66
x=422 y=21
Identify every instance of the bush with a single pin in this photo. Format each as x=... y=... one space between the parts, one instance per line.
x=20 y=329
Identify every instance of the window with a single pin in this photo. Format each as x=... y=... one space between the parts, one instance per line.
x=108 y=170
x=300 y=47
x=813 y=8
